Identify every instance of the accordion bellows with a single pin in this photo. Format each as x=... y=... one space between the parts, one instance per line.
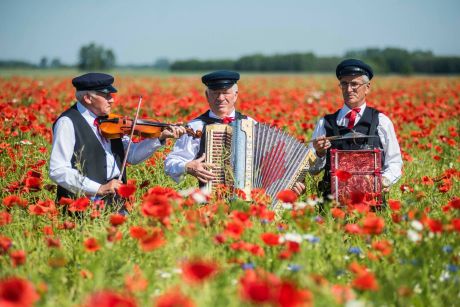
x=249 y=155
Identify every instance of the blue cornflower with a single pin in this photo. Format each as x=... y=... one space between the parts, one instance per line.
x=294 y=267
x=452 y=268
x=354 y=250
x=248 y=266
x=447 y=249
x=311 y=238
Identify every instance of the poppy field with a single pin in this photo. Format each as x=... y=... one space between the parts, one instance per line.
x=180 y=247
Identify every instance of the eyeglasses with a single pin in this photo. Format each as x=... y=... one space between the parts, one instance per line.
x=227 y=92
x=106 y=96
x=354 y=85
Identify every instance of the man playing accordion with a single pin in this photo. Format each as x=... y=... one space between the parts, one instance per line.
x=187 y=156
x=355 y=116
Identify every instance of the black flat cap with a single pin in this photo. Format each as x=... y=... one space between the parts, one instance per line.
x=220 y=79
x=94 y=81
x=353 y=67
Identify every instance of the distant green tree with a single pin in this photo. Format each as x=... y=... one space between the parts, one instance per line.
x=55 y=63
x=162 y=64
x=43 y=62
x=94 y=57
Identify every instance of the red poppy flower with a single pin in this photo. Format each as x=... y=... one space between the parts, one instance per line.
x=383 y=246
x=455 y=225
x=136 y=281
x=337 y=213
x=48 y=230
x=5 y=244
x=255 y=289
x=293 y=247
x=33 y=183
x=126 y=190
x=365 y=281
x=395 y=205
x=288 y=295
x=65 y=201
x=79 y=205
x=271 y=239
x=197 y=271
x=342 y=175
x=109 y=299
x=91 y=245
x=287 y=196
x=15 y=291
x=68 y=225
x=137 y=232
x=13 y=200
x=174 y=298
x=153 y=241
x=117 y=219
x=18 y=257
x=434 y=225
x=373 y=224
x=156 y=206
x=5 y=218
x=353 y=229
x=234 y=230
x=53 y=242
x=455 y=203
x=427 y=180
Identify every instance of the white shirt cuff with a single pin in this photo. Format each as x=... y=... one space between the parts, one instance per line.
x=92 y=187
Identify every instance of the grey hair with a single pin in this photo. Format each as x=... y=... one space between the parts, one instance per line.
x=80 y=94
x=365 y=78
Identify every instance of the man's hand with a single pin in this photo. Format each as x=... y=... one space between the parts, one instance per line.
x=109 y=188
x=199 y=169
x=172 y=132
x=321 y=145
x=298 y=188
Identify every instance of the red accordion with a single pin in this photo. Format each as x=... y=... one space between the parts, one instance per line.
x=356 y=176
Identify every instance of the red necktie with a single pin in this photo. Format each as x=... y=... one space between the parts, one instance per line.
x=352 y=117
x=96 y=124
x=227 y=120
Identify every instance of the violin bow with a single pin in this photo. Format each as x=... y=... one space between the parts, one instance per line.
x=123 y=166
x=351 y=135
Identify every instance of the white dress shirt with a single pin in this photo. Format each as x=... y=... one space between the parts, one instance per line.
x=186 y=149
x=391 y=152
x=61 y=170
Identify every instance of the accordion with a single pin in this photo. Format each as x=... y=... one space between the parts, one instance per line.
x=356 y=176
x=247 y=155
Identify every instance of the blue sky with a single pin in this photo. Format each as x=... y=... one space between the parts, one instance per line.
x=141 y=31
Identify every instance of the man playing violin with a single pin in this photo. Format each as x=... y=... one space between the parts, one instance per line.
x=187 y=156
x=82 y=161
x=354 y=81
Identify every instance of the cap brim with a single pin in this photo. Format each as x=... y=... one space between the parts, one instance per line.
x=353 y=71
x=220 y=85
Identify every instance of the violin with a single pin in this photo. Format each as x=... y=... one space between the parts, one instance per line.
x=116 y=126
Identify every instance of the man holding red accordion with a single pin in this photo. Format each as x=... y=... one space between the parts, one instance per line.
x=355 y=116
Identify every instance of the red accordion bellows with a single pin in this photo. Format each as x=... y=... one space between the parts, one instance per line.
x=356 y=176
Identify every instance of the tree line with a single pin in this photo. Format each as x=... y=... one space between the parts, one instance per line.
x=383 y=61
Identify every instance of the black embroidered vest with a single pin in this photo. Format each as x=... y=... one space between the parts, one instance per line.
x=89 y=156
